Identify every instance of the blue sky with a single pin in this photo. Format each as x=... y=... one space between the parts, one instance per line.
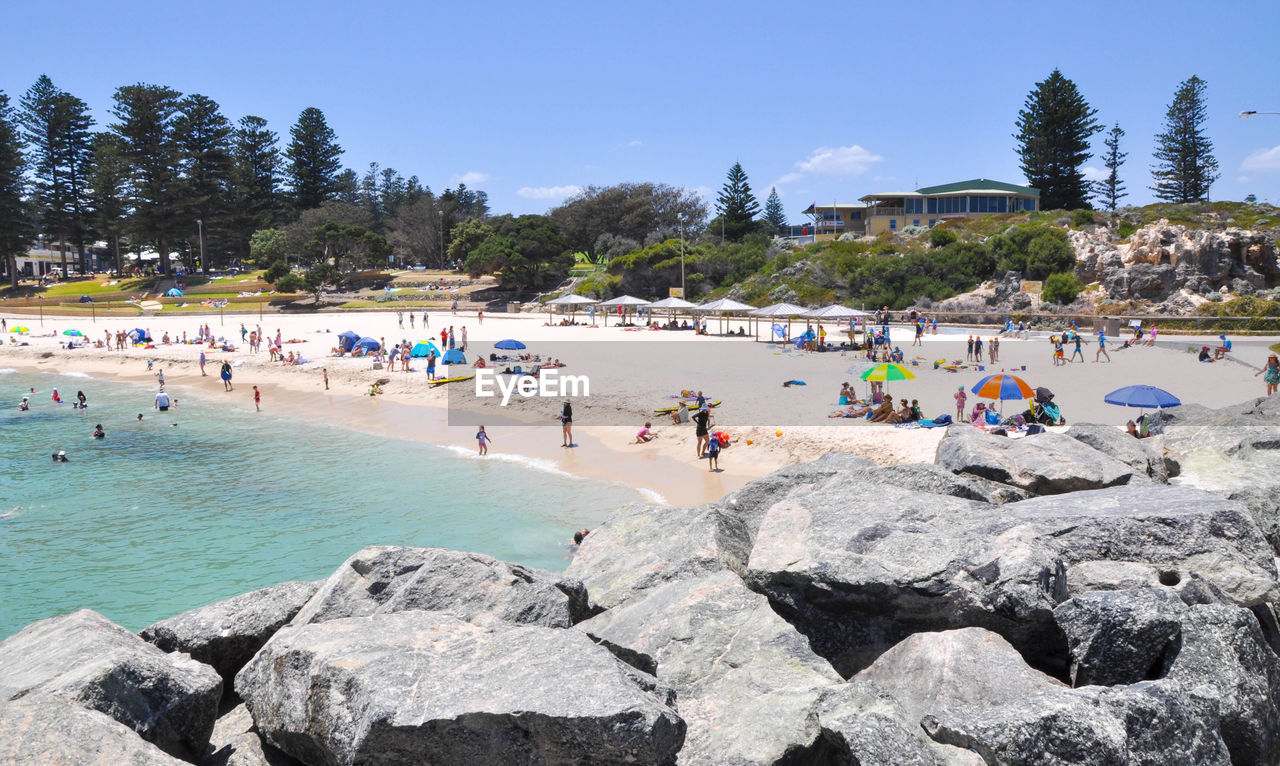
x=529 y=101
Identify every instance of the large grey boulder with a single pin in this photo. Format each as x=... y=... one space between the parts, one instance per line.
x=225 y=635
x=471 y=586
x=1116 y=442
x=426 y=687
x=1120 y=637
x=1222 y=647
x=1262 y=498
x=936 y=480
x=1146 y=724
x=1044 y=464
x=863 y=724
x=746 y=681
x=644 y=547
x=857 y=567
x=168 y=699
x=235 y=742
x=41 y=731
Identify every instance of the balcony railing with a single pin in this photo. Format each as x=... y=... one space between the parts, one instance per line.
x=898 y=211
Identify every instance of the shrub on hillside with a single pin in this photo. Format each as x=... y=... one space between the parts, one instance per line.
x=1061 y=288
x=1082 y=218
x=941 y=237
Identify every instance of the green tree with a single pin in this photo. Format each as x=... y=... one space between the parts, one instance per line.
x=144 y=122
x=109 y=189
x=57 y=127
x=1061 y=288
x=1054 y=127
x=350 y=247
x=1110 y=190
x=526 y=253
x=203 y=137
x=1049 y=253
x=15 y=226
x=314 y=160
x=774 y=214
x=275 y=272
x=633 y=211
x=267 y=246
x=1185 y=166
x=736 y=205
x=467 y=238
x=256 y=203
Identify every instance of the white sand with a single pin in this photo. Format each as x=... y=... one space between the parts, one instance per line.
x=629 y=381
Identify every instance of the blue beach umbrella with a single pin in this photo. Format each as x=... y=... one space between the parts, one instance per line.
x=1142 y=396
x=509 y=345
x=454 y=356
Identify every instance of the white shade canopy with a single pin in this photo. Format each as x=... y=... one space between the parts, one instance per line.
x=671 y=303
x=836 y=311
x=570 y=300
x=723 y=305
x=781 y=310
x=625 y=300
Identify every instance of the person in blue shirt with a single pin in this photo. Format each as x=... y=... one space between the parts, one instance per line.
x=1223 y=349
x=1102 y=347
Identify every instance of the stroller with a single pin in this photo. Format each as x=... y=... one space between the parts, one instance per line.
x=1043 y=410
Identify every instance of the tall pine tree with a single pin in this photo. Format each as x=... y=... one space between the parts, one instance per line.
x=314 y=160
x=1185 y=166
x=736 y=204
x=774 y=213
x=1054 y=127
x=15 y=228
x=255 y=182
x=57 y=127
x=144 y=122
x=1110 y=190
x=203 y=137
x=109 y=189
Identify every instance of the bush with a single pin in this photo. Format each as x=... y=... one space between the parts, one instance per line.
x=1061 y=288
x=292 y=283
x=1049 y=253
x=275 y=271
x=941 y=237
x=1082 y=218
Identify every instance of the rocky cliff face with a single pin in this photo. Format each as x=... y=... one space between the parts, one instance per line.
x=1047 y=600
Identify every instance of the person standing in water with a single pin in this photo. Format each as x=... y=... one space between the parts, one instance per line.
x=566 y=424
x=257 y=399
x=482 y=441
x=325 y=372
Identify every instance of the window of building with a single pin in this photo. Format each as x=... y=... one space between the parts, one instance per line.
x=915 y=221
x=893 y=224
x=855 y=215
x=914 y=206
x=932 y=221
x=1028 y=204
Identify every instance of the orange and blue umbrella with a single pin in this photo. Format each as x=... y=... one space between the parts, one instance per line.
x=1003 y=387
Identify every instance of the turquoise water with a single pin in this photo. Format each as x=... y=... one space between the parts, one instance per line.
x=157 y=519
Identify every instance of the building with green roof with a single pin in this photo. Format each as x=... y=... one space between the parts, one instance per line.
x=927 y=206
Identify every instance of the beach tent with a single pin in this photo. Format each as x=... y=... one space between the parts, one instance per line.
x=367 y=343
x=624 y=302
x=454 y=356
x=723 y=307
x=423 y=348
x=571 y=301
x=509 y=345
x=173 y=293
x=347 y=340
x=138 y=335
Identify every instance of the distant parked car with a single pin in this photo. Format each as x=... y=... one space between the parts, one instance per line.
x=86 y=299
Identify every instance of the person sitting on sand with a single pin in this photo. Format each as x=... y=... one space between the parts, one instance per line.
x=846 y=394
x=979 y=414
x=681 y=415
x=1204 y=355
x=645 y=434
x=884 y=412
x=916 y=414
x=1151 y=338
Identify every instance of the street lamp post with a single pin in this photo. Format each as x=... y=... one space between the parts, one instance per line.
x=40 y=303
x=682 y=257
x=200 y=227
x=440 y=231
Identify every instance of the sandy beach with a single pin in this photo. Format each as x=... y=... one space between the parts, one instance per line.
x=632 y=373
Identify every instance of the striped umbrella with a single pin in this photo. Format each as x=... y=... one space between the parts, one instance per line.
x=73 y=333
x=1003 y=387
x=20 y=328
x=888 y=371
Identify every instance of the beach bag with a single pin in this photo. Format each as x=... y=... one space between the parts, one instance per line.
x=942 y=420
x=1035 y=428
x=992 y=418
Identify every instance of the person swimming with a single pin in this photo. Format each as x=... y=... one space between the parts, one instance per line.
x=98 y=433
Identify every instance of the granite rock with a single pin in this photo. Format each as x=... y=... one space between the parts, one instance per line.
x=1120 y=637
x=41 y=731
x=1044 y=464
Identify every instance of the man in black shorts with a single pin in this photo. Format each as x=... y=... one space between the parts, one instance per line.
x=702 y=419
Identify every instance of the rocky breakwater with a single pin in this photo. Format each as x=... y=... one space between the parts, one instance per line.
x=1047 y=600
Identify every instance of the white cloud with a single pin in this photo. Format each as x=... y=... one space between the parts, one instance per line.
x=470 y=178
x=557 y=193
x=1091 y=173
x=839 y=161
x=1243 y=179
x=787 y=178
x=1262 y=161
x=635 y=142
x=705 y=192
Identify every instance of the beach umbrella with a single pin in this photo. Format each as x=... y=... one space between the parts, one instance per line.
x=1003 y=387
x=788 y=310
x=74 y=333
x=509 y=345
x=20 y=328
x=723 y=307
x=1142 y=396
x=835 y=311
x=671 y=303
x=570 y=300
x=888 y=371
x=623 y=302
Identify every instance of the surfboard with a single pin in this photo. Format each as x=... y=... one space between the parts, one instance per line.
x=669 y=410
x=458 y=379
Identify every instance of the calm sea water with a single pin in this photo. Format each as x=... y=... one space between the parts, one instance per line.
x=157 y=519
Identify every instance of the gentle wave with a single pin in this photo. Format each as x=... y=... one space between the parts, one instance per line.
x=76 y=375
x=7 y=371
x=537 y=463
x=655 y=497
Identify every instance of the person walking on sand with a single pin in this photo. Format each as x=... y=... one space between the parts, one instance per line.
x=257 y=399
x=431 y=365
x=400 y=319
x=1076 y=350
x=226 y=376
x=1270 y=374
x=919 y=334
x=702 y=427
x=482 y=441
x=961 y=396
x=1102 y=347
x=480 y=316
x=968 y=354
x=713 y=454
x=464 y=338
x=411 y=316
x=202 y=361
x=324 y=371
x=994 y=347
x=566 y=424
x=425 y=323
